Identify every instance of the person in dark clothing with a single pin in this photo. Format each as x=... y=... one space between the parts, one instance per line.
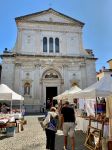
x=68 y=123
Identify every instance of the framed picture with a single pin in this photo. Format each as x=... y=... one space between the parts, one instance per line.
x=93 y=140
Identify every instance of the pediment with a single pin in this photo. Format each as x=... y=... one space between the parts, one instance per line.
x=49 y=15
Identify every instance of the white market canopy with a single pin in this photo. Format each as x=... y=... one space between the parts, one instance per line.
x=8 y=94
x=60 y=96
x=101 y=88
x=68 y=94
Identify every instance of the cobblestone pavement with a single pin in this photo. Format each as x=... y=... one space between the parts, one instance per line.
x=33 y=138
x=79 y=141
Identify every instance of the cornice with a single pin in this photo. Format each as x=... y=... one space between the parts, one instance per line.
x=48 y=23
x=62 y=29
x=48 y=56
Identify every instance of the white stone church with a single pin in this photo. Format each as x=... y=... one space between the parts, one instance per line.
x=48 y=58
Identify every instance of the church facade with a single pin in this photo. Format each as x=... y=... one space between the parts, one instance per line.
x=48 y=58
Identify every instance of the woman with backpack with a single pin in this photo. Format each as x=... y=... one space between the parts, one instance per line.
x=51 y=123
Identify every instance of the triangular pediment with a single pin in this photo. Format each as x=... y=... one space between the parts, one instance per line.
x=49 y=15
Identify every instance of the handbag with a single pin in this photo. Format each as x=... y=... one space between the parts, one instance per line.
x=43 y=126
x=46 y=121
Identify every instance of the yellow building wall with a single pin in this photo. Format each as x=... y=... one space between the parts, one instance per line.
x=110 y=64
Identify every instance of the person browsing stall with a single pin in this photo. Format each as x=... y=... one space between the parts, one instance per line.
x=51 y=123
x=68 y=124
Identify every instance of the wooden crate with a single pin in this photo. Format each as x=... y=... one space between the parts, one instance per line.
x=11 y=124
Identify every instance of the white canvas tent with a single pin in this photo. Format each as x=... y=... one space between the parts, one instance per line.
x=71 y=91
x=60 y=96
x=68 y=94
x=101 y=88
x=8 y=94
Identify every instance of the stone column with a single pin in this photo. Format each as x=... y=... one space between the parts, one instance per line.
x=65 y=76
x=17 y=78
x=83 y=75
x=37 y=87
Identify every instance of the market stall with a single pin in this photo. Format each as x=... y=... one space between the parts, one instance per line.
x=109 y=115
x=7 y=94
x=102 y=88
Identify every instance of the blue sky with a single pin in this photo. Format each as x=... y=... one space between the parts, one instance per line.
x=96 y=14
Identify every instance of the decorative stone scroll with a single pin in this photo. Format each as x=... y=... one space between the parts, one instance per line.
x=51 y=75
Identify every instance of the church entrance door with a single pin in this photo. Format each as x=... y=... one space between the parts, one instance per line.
x=50 y=93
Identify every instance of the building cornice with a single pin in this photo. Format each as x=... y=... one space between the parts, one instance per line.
x=47 y=23
x=46 y=56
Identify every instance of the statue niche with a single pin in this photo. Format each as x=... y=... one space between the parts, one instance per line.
x=27 y=88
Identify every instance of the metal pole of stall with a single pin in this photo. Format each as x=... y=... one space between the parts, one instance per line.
x=11 y=106
x=96 y=107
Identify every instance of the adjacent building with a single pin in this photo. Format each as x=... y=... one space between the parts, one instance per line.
x=104 y=71
x=48 y=58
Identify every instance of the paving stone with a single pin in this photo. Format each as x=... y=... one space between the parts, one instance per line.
x=33 y=138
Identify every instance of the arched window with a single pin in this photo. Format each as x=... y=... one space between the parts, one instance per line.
x=56 y=45
x=44 y=44
x=27 y=88
x=50 y=45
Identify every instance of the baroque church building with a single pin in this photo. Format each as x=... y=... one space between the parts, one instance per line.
x=48 y=58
